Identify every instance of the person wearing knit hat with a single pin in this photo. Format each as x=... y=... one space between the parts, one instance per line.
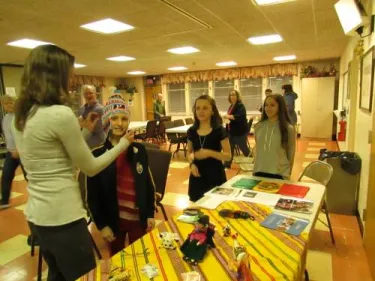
x=122 y=197
x=115 y=104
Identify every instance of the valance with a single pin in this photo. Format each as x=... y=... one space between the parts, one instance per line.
x=263 y=71
x=80 y=80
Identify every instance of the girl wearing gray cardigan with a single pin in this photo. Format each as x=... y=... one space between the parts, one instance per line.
x=275 y=140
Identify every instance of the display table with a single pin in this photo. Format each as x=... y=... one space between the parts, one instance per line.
x=274 y=254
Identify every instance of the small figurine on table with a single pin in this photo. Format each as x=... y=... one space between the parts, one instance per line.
x=226 y=230
x=195 y=246
x=241 y=263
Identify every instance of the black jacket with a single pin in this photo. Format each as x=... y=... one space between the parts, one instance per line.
x=102 y=189
x=238 y=126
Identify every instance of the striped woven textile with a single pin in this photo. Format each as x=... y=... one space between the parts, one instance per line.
x=274 y=255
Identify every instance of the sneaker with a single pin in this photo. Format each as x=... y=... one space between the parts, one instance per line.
x=4 y=206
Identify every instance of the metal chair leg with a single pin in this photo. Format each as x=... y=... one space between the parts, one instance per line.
x=307 y=278
x=324 y=207
x=163 y=210
x=96 y=248
x=40 y=263
x=32 y=245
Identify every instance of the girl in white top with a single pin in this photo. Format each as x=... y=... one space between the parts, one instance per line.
x=275 y=140
x=49 y=141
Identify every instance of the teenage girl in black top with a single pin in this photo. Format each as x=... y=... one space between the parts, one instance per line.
x=208 y=146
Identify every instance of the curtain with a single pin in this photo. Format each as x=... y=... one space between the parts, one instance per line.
x=80 y=80
x=232 y=73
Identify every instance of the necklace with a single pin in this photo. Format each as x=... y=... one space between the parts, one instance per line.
x=202 y=142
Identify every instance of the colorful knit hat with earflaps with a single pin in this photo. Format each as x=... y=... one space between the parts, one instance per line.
x=115 y=104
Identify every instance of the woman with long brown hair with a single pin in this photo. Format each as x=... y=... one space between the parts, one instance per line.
x=208 y=146
x=275 y=140
x=238 y=128
x=49 y=141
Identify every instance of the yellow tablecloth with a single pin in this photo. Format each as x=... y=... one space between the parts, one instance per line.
x=274 y=255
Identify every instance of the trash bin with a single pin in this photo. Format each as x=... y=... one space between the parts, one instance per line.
x=342 y=190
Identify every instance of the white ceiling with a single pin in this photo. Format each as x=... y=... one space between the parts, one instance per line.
x=219 y=28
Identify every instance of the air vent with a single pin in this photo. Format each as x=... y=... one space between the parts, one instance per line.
x=186 y=14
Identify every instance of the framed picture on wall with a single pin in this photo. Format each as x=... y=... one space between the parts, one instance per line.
x=344 y=88
x=367 y=77
x=348 y=83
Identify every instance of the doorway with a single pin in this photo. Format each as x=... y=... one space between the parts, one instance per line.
x=151 y=92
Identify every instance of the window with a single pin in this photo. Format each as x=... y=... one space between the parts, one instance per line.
x=275 y=83
x=221 y=93
x=77 y=102
x=197 y=89
x=251 y=92
x=176 y=98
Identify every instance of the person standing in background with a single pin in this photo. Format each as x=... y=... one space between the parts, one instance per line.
x=275 y=141
x=238 y=128
x=159 y=107
x=12 y=159
x=267 y=92
x=97 y=136
x=290 y=99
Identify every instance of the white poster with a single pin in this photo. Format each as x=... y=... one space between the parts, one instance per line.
x=10 y=91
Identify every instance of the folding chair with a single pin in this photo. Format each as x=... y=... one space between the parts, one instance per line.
x=321 y=172
x=158 y=161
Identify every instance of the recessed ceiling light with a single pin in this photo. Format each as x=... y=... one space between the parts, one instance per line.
x=267 y=39
x=78 y=65
x=121 y=58
x=271 y=2
x=282 y=58
x=136 y=72
x=27 y=43
x=177 y=68
x=183 y=50
x=107 y=26
x=226 y=63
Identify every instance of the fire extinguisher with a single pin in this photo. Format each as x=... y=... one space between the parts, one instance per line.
x=342 y=133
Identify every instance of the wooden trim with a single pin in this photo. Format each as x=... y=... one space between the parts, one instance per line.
x=360 y=223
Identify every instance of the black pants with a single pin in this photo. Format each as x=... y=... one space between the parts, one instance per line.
x=67 y=249
x=10 y=166
x=241 y=141
x=267 y=175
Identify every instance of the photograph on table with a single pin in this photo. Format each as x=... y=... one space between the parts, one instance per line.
x=226 y=191
x=366 y=80
x=249 y=194
x=283 y=223
x=293 y=205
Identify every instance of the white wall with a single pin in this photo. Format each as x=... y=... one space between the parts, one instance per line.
x=138 y=109
x=363 y=120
